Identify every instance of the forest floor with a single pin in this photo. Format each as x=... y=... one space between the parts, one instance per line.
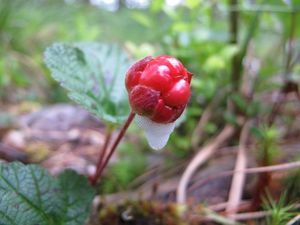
x=64 y=136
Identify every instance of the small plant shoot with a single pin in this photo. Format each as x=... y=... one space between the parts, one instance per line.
x=95 y=77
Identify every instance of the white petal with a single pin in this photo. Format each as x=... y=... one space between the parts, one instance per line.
x=157 y=134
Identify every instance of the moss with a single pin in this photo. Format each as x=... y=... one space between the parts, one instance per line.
x=141 y=213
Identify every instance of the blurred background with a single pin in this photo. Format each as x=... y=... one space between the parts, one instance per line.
x=197 y=32
x=245 y=57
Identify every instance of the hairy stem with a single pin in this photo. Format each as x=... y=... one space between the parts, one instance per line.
x=102 y=154
x=114 y=146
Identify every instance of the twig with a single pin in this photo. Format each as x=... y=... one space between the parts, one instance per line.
x=263 y=169
x=221 y=206
x=250 y=215
x=238 y=179
x=219 y=218
x=202 y=155
x=260 y=214
x=294 y=220
x=283 y=166
x=246 y=90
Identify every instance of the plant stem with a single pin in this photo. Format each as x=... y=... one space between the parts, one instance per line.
x=234 y=30
x=102 y=154
x=114 y=146
x=290 y=44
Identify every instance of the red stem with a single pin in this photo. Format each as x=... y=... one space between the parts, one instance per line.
x=114 y=146
x=102 y=155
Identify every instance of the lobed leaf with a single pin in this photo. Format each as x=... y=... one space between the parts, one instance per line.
x=75 y=198
x=94 y=75
x=29 y=195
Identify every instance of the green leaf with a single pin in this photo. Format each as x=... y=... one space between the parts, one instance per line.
x=230 y=118
x=143 y=19
x=214 y=63
x=181 y=27
x=29 y=195
x=75 y=198
x=94 y=75
x=157 y=5
x=192 y=4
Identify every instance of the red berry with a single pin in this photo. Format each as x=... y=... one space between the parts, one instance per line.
x=158 y=88
x=143 y=100
x=135 y=71
x=162 y=113
x=157 y=77
x=178 y=95
x=175 y=66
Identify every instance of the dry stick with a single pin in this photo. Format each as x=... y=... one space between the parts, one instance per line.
x=294 y=220
x=202 y=155
x=246 y=90
x=102 y=155
x=263 y=169
x=283 y=166
x=115 y=144
x=261 y=214
x=221 y=206
x=250 y=215
x=238 y=180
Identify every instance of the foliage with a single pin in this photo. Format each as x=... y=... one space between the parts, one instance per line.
x=29 y=195
x=281 y=211
x=28 y=27
x=94 y=76
x=202 y=41
x=268 y=150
